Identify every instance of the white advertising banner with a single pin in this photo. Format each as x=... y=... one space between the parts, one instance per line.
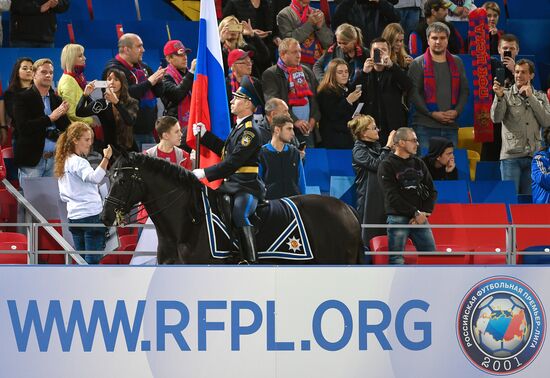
x=273 y=321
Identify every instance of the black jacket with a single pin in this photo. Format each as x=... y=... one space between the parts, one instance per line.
x=88 y=107
x=280 y=171
x=382 y=95
x=370 y=199
x=175 y=93
x=336 y=111
x=28 y=24
x=438 y=145
x=146 y=116
x=260 y=60
x=241 y=149
x=32 y=123
x=403 y=181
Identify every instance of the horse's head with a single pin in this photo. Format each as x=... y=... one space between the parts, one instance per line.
x=125 y=192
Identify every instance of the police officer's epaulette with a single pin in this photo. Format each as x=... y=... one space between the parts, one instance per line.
x=248 y=124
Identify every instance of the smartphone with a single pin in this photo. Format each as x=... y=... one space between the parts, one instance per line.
x=359 y=87
x=377 y=56
x=508 y=54
x=500 y=75
x=302 y=146
x=236 y=28
x=100 y=84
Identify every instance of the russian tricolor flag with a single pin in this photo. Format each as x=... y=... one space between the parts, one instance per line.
x=209 y=96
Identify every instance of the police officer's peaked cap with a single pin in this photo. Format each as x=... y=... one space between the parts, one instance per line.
x=252 y=89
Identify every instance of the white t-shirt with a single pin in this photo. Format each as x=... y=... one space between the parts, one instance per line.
x=79 y=188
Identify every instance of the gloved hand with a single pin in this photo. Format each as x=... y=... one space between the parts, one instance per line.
x=199 y=173
x=199 y=128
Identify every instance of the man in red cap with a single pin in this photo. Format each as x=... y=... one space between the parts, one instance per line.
x=178 y=81
x=240 y=64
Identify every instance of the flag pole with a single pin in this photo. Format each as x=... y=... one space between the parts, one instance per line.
x=197 y=163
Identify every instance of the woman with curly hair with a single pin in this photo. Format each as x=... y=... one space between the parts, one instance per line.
x=337 y=104
x=395 y=35
x=78 y=187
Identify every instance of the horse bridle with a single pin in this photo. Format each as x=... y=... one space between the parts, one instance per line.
x=119 y=204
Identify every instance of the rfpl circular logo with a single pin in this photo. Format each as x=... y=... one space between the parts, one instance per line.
x=501 y=325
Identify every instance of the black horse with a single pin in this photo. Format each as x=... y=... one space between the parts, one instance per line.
x=175 y=201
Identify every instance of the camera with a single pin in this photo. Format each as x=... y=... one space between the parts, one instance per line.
x=53 y=134
x=500 y=75
x=508 y=54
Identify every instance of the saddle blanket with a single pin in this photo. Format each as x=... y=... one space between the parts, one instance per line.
x=281 y=232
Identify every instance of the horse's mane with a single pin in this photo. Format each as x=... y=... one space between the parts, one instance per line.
x=163 y=168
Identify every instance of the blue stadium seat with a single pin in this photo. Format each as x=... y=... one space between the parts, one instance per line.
x=117 y=10
x=541 y=258
x=462 y=163
x=96 y=60
x=493 y=192
x=99 y=34
x=339 y=162
x=488 y=170
x=528 y=9
x=466 y=118
x=313 y=190
x=343 y=188
x=78 y=10
x=316 y=169
x=159 y=10
x=452 y=191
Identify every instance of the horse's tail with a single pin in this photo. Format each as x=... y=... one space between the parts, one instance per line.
x=361 y=246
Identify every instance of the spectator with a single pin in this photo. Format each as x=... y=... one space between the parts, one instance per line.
x=540 y=172
x=369 y=16
x=394 y=34
x=33 y=23
x=409 y=195
x=4 y=7
x=508 y=49
x=273 y=107
x=410 y=12
x=72 y=83
x=385 y=85
x=436 y=11
x=440 y=88
x=239 y=165
x=20 y=80
x=143 y=84
x=78 y=187
x=257 y=12
x=281 y=167
x=169 y=132
x=306 y=25
x=117 y=111
x=440 y=159
x=240 y=35
x=337 y=103
x=296 y=85
x=178 y=82
x=460 y=9
x=367 y=154
x=523 y=112
x=40 y=116
x=348 y=46
x=493 y=14
x=240 y=63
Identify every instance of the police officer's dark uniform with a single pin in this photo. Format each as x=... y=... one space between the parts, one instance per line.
x=239 y=169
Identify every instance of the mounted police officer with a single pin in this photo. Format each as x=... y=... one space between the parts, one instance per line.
x=239 y=165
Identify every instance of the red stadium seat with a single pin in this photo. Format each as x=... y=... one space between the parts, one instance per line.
x=380 y=244
x=47 y=243
x=14 y=258
x=533 y=214
x=8 y=208
x=12 y=237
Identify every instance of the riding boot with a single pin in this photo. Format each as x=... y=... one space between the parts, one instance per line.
x=247 y=241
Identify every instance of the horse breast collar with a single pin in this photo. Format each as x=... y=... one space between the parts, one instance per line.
x=282 y=234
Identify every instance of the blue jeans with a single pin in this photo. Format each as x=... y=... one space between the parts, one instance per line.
x=88 y=238
x=142 y=139
x=410 y=17
x=424 y=134
x=244 y=205
x=519 y=171
x=422 y=238
x=44 y=168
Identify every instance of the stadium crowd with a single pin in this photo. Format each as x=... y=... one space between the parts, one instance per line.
x=294 y=82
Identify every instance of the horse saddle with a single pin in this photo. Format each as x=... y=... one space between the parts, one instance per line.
x=281 y=233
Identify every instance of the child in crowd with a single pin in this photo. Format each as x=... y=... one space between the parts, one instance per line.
x=78 y=186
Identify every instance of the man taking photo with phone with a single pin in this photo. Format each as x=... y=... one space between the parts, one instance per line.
x=383 y=86
x=523 y=112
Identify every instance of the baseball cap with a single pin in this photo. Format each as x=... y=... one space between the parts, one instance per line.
x=175 y=47
x=238 y=54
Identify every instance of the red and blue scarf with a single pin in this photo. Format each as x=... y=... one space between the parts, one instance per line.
x=184 y=105
x=298 y=88
x=78 y=74
x=311 y=46
x=429 y=81
x=148 y=100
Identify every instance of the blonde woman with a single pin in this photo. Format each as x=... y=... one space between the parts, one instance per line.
x=395 y=35
x=72 y=82
x=367 y=154
x=235 y=34
x=78 y=187
x=348 y=46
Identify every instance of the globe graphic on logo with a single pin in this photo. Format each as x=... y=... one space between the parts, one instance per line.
x=501 y=325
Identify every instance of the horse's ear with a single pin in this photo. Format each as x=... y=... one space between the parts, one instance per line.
x=116 y=152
